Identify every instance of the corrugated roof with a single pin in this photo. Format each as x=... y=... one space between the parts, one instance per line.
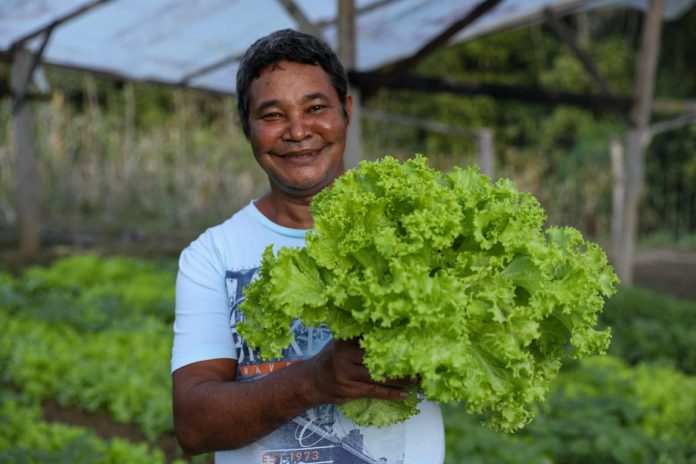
x=198 y=43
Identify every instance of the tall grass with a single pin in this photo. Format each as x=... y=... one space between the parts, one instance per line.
x=145 y=161
x=105 y=169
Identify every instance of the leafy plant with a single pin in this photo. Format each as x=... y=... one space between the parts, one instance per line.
x=652 y=327
x=120 y=371
x=449 y=278
x=27 y=438
x=90 y=292
x=598 y=410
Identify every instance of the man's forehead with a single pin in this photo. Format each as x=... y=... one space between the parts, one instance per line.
x=278 y=78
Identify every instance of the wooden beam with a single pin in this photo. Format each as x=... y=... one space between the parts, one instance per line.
x=368 y=81
x=347 y=52
x=28 y=190
x=359 y=11
x=616 y=151
x=420 y=123
x=638 y=139
x=483 y=136
x=346 y=33
x=566 y=36
x=486 y=149
x=20 y=92
x=217 y=64
x=647 y=64
x=24 y=39
x=303 y=22
x=400 y=67
x=685 y=119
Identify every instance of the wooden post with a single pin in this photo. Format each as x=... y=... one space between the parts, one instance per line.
x=303 y=22
x=28 y=187
x=616 y=150
x=484 y=140
x=638 y=139
x=346 y=33
x=347 y=55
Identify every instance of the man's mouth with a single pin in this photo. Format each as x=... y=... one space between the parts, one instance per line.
x=298 y=154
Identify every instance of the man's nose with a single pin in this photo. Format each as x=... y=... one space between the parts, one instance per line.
x=297 y=128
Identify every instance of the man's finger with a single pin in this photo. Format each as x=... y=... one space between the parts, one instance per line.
x=384 y=392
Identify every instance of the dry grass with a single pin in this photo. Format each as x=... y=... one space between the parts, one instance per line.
x=102 y=172
x=106 y=172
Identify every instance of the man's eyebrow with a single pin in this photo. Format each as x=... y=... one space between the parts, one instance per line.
x=274 y=102
x=315 y=96
x=266 y=104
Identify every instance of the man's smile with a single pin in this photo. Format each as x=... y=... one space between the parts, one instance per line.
x=298 y=156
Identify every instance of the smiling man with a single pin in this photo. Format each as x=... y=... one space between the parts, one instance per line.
x=295 y=111
x=297 y=131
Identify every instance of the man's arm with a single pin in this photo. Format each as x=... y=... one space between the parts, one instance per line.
x=214 y=412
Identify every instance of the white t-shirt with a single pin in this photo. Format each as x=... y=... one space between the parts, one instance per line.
x=213 y=270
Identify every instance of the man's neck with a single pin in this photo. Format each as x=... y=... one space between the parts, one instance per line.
x=288 y=212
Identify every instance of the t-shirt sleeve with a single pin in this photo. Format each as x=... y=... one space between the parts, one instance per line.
x=202 y=324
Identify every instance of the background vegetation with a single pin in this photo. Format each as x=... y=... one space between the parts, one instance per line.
x=126 y=161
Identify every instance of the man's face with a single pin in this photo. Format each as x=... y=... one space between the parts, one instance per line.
x=297 y=128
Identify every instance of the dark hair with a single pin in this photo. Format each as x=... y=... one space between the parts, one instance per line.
x=286 y=45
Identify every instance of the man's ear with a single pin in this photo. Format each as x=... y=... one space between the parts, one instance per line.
x=349 y=108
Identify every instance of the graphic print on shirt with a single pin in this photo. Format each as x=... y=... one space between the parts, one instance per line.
x=320 y=435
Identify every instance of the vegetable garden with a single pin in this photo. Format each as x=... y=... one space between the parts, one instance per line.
x=93 y=334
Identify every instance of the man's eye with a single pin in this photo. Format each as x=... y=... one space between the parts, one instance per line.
x=314 y=108
x=271 y=116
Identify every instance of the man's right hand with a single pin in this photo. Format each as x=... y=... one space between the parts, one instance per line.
x=213 y=411
x=340 y=375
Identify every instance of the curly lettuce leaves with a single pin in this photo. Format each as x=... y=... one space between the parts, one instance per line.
x=446 y=277
x=373 y=412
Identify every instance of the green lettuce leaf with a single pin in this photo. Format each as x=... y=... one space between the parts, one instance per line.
x=450 y=278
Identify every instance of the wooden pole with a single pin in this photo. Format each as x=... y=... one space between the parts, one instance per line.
x=28 y=188
x=401 y=67
x=484 y=140
x=347 y=55
x=300 y=18
x=566 y=36
x=638 y=139
x=616 y=149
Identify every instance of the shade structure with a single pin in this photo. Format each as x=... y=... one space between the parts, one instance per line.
x=198 y=44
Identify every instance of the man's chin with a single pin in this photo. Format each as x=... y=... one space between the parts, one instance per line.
x=303 y=187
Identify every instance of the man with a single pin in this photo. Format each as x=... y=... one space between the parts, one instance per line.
x=295 y=110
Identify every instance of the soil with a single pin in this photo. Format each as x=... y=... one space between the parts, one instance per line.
x=102 y=425
x=670 y=272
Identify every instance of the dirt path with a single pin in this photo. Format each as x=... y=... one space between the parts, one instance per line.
x=667 y=271
x=104 y=426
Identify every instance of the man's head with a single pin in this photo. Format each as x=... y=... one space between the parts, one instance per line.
x=292 y=46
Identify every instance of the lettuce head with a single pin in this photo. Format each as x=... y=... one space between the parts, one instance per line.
x=447 y=277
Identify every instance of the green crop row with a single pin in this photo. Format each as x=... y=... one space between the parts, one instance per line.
x=124 y=372
x=95 y=333
x=91 y=293
x=649 y=326
x=26 y=439
x=600 y=410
